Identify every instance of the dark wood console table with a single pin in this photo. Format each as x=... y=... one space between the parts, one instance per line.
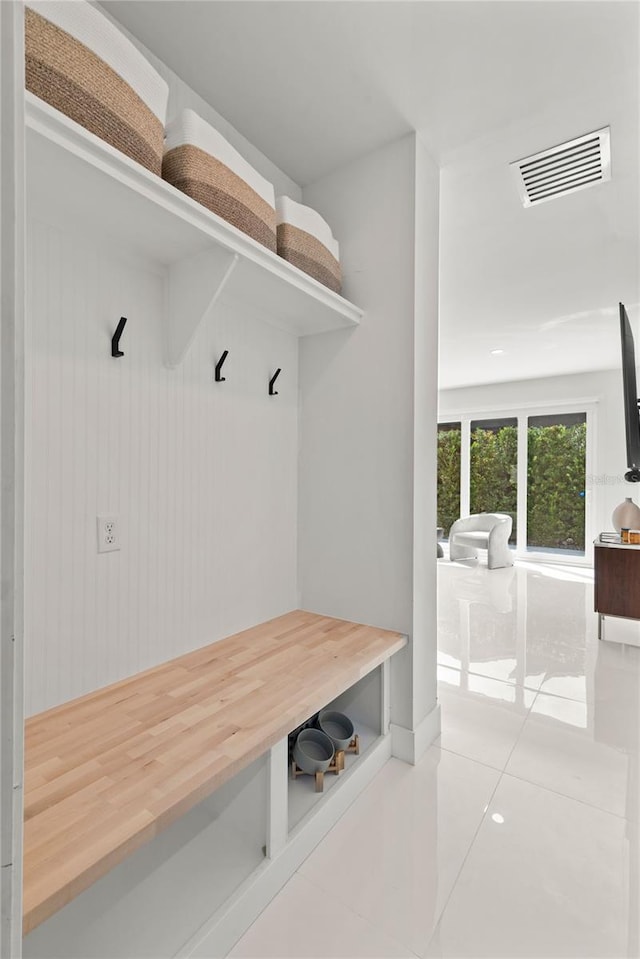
x=616 y=581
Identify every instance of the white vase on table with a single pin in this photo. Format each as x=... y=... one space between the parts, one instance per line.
x=626 y=515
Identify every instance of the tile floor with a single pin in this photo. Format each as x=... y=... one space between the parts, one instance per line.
x=518 y=834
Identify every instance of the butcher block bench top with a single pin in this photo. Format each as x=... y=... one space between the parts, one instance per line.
x=108 y=771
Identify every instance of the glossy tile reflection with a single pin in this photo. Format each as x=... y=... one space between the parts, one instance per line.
x=547 y=878
x=406 y=838
x=557 y=749
x=518 y=834
x=560 y=877
x=483 y=725
x=527 y=626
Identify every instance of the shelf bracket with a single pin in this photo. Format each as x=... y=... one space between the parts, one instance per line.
x=195 y=284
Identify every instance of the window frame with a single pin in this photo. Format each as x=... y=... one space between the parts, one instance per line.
x=521 y=414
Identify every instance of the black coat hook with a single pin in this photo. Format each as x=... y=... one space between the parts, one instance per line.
x=115 y=339
x=219 y=377
x=275 y=376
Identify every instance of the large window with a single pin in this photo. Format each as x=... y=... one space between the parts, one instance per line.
x=556 y=474
x=494 y=468
x=532 y=467
x=449 y=435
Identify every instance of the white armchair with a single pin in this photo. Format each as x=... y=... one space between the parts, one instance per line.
x=490 y=531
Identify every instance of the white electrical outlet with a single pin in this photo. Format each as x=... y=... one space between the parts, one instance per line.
x=108 y=534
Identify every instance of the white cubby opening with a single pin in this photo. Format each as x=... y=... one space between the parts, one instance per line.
x=151 y=903
x=364 y=704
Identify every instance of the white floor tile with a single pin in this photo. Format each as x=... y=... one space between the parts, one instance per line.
x=561 y=748
x=485 y=688
x=398 y=850
x=569 y=687
x=305 y=922
x=614 y=696
x=480 y=726
x=545 y=877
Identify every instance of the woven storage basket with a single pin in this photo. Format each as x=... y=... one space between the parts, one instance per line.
x=305 y=240
x=200 y=162
x=81 y=64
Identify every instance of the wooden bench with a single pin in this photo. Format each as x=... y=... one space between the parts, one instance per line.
x=106 y=772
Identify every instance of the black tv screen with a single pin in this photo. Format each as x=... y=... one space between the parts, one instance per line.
x=630 y=389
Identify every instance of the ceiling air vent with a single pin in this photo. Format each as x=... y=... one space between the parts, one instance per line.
x=570 y=166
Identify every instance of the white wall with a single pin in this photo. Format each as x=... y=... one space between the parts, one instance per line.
x=202 y=475
x=358 y=459
x=606 y=486
x=426 y=258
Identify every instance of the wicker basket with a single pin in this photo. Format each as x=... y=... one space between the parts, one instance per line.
x=305 y=240
x=81 y=64
x=201 y=163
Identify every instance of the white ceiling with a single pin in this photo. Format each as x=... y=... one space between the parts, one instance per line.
x=316 y=84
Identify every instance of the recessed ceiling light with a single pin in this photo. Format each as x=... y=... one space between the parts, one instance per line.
x=497 y=818
x=496 y=352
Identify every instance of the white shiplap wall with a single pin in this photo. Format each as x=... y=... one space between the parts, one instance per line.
x=203 y=476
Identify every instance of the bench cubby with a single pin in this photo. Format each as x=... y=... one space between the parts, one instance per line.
x=365 y=705
x=150 y=904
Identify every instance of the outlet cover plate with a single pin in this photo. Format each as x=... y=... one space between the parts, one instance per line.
x=108 y=534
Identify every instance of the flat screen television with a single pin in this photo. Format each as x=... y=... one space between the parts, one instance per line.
x=631 y=405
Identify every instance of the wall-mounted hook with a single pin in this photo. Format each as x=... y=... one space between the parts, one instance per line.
x=219 y=377
x=275 y=376
x=115 y=339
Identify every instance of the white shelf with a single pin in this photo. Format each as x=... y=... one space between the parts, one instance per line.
x=75 y=178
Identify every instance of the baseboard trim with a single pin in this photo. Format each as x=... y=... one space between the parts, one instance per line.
x=411 y=744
